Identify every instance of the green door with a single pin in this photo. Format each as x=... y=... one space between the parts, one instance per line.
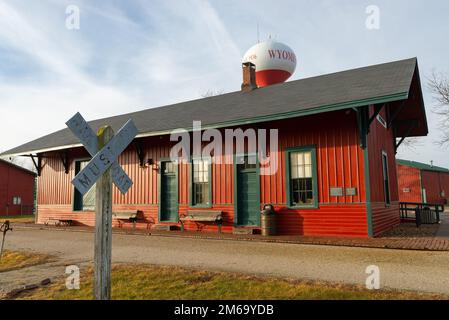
x=247 y=195
x=86 y=202
x=169 y=192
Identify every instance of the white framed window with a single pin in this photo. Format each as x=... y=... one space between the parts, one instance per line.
x=201 y=182
x=301 y=177
x=16 y=200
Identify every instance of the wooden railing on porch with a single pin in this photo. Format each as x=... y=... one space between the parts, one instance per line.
x=421 y=213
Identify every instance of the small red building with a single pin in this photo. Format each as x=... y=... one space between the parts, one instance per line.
x=336 y=171
x=16 y=189
x=422 y=183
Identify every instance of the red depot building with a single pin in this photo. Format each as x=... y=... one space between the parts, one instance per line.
x=16 y=189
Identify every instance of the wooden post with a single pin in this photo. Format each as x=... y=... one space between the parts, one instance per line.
x=103 y=226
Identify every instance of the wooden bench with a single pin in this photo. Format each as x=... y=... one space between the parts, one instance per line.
x=126 y=216
x=58 y=222
x=202 y=216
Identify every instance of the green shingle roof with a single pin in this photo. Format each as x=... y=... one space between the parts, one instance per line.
x=382 y=83
x=421 y=166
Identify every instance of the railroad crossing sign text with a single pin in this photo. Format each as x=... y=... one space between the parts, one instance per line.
x=81 y=129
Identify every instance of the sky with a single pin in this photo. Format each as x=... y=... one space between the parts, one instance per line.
x=133 y=55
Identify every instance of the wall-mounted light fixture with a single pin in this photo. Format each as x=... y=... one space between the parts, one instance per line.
x=151 y=163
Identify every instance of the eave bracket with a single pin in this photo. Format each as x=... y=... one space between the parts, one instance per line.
x=377 y=110
x=37 y=164
x=363 y=124
x=65 y=161
x=395 y=114
x=140 y=153
x=413 y=125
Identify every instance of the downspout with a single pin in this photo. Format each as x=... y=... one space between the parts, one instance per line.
x=369 y=209
x=362 y=122
x=8 y=196
x=35 y=200
x=421 y=186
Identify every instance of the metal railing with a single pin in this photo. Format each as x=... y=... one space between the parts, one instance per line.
x=24 y=209
x=421 y=213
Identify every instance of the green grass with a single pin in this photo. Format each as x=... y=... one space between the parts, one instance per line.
x=156 y=282
x=12 y=260
x=18 y=218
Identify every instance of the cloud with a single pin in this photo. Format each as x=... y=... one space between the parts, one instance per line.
x=133 y=55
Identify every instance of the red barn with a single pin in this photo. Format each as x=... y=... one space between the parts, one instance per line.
x=422 y=183
x=335 y=174
x=16 y=189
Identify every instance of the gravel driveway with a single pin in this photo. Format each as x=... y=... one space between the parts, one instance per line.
x=400 y=269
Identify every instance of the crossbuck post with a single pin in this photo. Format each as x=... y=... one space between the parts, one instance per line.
x=103 y=225
x=102 y=169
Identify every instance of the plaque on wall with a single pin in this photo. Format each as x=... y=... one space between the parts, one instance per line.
x=336 y=192
x=351 y=191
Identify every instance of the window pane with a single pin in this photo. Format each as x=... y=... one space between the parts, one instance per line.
x=310 y=197
x=294 y=172
x=300 y=157
x=308 y=171
x=294 y=159
x=295 y=191
x=206 y=194
x=301 y=178
x=307 y=158
x=200 y=182
x=300 y=171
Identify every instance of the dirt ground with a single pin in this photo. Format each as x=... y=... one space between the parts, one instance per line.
x=422 y=271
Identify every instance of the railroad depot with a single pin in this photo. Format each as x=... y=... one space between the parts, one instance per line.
x=17 y=187
x=422 y=183
x=336 y=174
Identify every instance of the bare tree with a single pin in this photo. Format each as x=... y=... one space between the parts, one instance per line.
x=439 y=85
x=411 y=143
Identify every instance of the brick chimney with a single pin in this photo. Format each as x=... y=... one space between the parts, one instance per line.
x=249 y=77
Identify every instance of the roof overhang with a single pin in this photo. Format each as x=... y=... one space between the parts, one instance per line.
x=410 y=115
x=248 y=121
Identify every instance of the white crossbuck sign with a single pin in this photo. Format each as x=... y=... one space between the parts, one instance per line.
x=104 y=158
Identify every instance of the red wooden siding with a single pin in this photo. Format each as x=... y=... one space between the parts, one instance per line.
x=381 y=139
x=56 y=188
x=409 y=178
x=15 y=182
x=444 y=182
x=436 y=185
x=329 y=220
x=339 y=157
x=431 y=183
x=339 y=164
